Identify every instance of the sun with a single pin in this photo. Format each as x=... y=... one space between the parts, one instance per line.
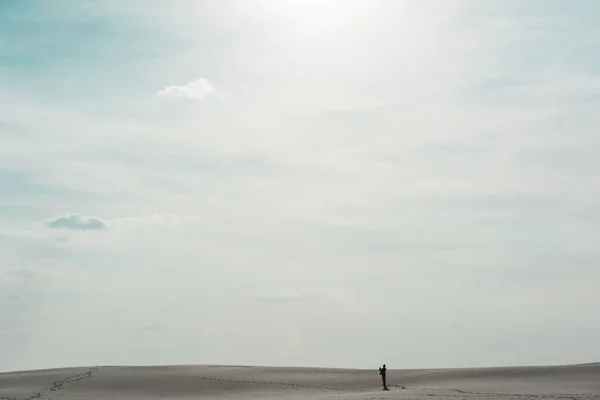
x=320 y=14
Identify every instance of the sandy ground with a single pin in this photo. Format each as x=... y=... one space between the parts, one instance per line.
x=192 y=382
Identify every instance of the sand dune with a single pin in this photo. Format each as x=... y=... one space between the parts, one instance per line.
x=189 y=382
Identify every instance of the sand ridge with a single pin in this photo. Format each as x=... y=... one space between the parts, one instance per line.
x=581 y=382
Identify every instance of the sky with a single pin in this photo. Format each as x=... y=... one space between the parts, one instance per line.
x=336 y=183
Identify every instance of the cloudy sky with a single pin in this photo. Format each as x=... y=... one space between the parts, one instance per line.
x=299 y=182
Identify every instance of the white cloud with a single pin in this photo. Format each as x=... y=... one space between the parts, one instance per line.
x=76 y=221
x=198 y=89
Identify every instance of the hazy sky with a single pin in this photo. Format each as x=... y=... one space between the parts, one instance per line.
x=299 y=182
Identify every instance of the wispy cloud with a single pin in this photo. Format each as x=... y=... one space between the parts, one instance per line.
x=198 y=89
x=296 y=297
x=149 y=219
x=47 y=270
x=76 y=221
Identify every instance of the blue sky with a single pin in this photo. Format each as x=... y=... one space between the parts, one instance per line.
x=309 y=183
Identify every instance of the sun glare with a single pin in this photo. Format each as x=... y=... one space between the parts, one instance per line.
x=320 y=14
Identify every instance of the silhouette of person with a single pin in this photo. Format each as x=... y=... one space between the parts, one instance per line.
x=382 y=372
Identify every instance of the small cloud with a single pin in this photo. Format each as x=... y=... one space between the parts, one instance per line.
x=81 y=222
x=76 y=221
x=198 y=89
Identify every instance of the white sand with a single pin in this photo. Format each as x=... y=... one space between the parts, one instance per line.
x=192 y=382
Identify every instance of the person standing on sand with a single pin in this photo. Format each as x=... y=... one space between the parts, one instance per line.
x=382 y=372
